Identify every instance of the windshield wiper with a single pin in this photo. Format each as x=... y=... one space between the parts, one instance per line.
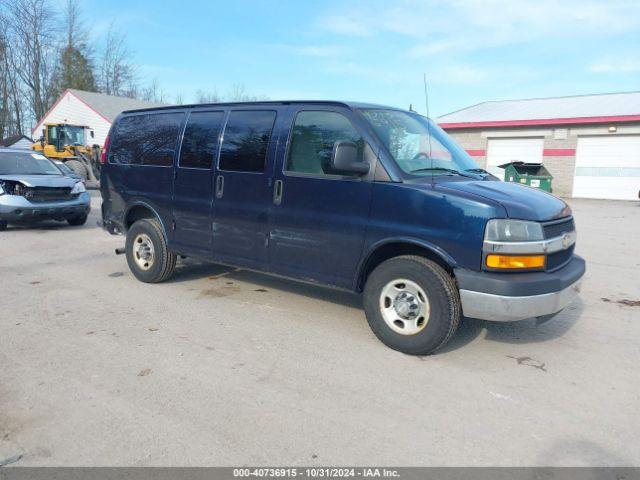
x=440 y=169
x=477 y=170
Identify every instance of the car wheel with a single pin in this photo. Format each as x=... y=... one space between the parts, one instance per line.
x=77 y=221
x=147 y=254
x=412 y=304
x=3 y=225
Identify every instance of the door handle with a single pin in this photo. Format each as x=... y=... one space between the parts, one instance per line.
x=219 y=186
x=277 y=192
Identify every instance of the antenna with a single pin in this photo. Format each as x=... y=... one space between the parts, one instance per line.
x=426 y=101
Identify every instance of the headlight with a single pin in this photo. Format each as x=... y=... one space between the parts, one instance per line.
x=78 y=188
x=1 y=189
x=501 y=230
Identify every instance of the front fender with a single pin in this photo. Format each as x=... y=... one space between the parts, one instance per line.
x=405 y=245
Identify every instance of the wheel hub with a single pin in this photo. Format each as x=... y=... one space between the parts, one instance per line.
x=143 y=251
x=404 y=306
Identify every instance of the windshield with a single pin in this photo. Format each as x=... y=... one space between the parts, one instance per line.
x=64 y=169
x=72 y=135
x=66 y=135
x=418 y=145
x=14 y=163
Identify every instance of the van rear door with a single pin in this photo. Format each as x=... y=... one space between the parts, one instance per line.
x=193 y=182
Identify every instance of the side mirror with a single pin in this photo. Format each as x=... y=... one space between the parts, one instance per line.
x=41 y=140
x=92 y=133
x=344 y=158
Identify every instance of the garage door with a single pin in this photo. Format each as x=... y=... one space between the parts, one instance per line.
x=608 y=167
x=505 y=150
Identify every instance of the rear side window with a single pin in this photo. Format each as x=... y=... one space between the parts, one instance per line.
x=245 y=141
x=200 y=139
x=146 y=139
x=313 y=137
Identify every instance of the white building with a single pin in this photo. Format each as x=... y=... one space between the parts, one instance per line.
x=589 y=143
x=94 y=110
x=16 y=141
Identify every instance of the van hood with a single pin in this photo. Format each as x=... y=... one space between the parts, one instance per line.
x=59 y=181
x=521 y=202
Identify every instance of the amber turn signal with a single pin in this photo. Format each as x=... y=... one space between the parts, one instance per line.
x=512 y=262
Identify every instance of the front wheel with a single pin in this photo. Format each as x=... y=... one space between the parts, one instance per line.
x=77 y=221
x=147 y=254
x=412 y=304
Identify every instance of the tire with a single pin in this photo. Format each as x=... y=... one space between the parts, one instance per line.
x=3 y=225
x=77 y=221
x=78 y=167
x=147 y=254
x=394 y=289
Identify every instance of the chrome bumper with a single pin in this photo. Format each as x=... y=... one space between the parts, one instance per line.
x=501 y=308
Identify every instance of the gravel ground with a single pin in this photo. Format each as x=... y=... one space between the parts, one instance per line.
x=223 y=367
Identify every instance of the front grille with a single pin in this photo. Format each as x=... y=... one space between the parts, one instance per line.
x=559 y=259
x=558 y=227
x=49 y=194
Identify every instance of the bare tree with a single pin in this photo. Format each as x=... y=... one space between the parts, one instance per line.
x=75 y=65
x=6 y=122
x=153 y=93
x=117 y=75
x=208 y=96
x=238 y=93
x=33 y=50
x=77 y=33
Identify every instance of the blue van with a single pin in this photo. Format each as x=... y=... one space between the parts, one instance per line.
x=355 y=196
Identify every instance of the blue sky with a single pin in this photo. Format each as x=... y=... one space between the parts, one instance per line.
x=471 y=50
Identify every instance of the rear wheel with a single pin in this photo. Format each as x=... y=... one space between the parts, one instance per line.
x=3 y=225
x=78 y=167
x=147 y=254
x=412 y=304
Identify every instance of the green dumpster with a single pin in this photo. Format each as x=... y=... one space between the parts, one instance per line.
x=531 y=174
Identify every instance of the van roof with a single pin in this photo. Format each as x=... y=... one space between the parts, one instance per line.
x=350 y=105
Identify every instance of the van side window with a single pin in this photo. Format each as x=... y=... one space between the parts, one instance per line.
x=149 y=139
x=200 y=139
x=312 y=139
x=245 y=141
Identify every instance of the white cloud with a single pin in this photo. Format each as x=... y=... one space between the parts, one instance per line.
x=346 y=25
x=458 y=73
x=436 y=27
x=616 y=65
x=320 y=51
x=351 y=68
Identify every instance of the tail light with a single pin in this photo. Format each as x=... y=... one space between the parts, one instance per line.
x=103 y=156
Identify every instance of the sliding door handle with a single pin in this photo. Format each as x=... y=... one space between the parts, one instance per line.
x=277 y=192
x=219 y=186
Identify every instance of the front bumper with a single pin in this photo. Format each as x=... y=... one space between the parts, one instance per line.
x=17 y=209
x=507 y=297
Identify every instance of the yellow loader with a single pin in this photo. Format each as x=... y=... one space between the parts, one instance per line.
x=68 y=143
